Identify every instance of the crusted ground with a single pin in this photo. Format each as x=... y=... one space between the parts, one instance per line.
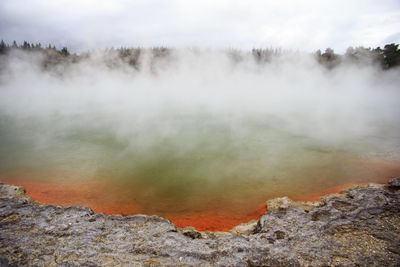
x=359 y=226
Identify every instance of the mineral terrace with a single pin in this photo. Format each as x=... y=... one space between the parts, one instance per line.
x=360 y=226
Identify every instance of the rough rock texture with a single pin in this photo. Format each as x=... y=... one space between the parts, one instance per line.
x=360 y=226
x=394 y=182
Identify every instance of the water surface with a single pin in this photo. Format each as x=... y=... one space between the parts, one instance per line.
x=186 y=167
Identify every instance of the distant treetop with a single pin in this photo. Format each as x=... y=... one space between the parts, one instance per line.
x=386 y=58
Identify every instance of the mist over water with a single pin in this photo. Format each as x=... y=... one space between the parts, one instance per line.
x=198 y=129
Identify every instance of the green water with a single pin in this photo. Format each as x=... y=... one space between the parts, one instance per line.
x=187 y=159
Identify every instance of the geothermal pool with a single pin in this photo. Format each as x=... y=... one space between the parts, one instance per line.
x=198 y=170
x=202 y=142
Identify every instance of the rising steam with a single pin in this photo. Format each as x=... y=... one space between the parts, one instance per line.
x=197 y=121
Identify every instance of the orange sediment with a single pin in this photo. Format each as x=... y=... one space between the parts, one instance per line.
x=112 y=198
x=92 y=194
x=210 y=221
x=331 y=190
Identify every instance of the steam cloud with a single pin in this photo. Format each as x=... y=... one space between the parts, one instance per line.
x=197 y=117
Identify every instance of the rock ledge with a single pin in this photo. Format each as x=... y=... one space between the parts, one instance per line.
x=361 y=225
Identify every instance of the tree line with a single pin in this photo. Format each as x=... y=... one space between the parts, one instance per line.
x=4 y=47
x=387 y=57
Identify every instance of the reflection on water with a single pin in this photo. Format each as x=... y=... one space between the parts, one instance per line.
x=191 y=164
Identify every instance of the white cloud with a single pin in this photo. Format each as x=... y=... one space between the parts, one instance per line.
x=305 y=25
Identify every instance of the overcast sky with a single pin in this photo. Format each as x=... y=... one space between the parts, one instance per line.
x=305 y=25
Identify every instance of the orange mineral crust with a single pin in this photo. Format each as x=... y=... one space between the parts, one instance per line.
x=331 y=190
x=93 y=194
x=217 y=211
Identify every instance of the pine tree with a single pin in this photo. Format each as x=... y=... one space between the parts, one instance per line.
x=26 y=45
x=64 y=52
x=3 y=47
x=391 y=55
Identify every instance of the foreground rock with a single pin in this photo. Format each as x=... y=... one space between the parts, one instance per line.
x=359 y=226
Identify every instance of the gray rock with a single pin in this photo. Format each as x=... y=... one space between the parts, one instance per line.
x=360 y=226
x=394 y=182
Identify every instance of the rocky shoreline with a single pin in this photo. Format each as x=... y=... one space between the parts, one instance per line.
x=359 y=226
